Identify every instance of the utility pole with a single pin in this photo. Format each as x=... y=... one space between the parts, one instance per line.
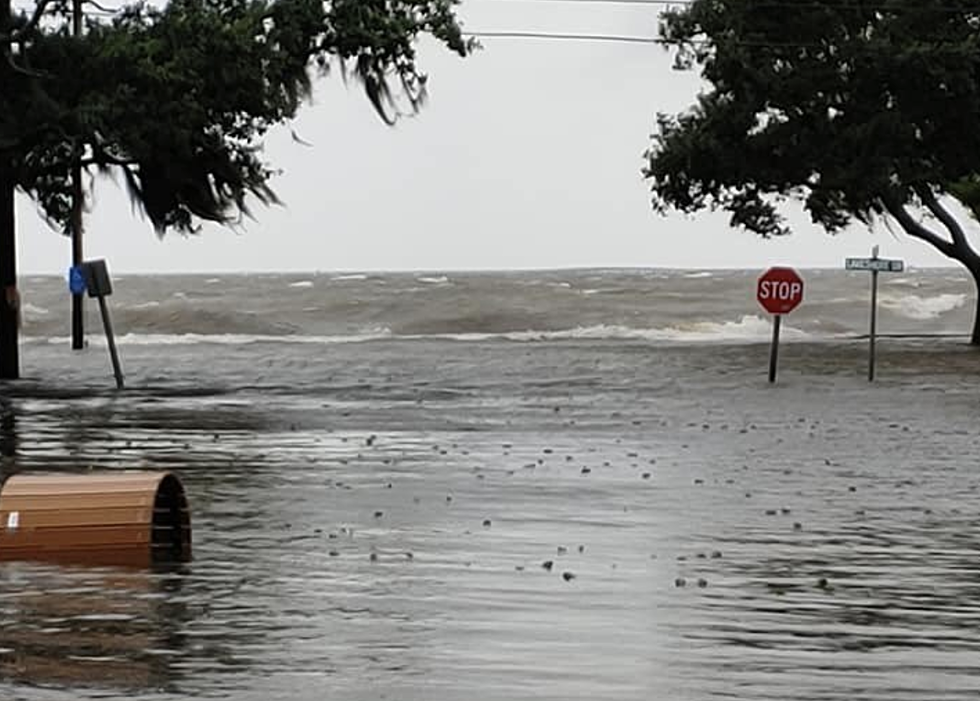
x=9 y=303
x=77 y=209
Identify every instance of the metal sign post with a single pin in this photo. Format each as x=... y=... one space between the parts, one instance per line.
x=77 y=211
x=874 y=319
x=94 y=276
x=874 y=265
x=774 y=349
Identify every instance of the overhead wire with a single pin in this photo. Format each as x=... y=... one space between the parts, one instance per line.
x=566 y=37
x=765 y=4
x=635 y=39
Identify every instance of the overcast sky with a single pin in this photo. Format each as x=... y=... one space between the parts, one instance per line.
x=528 y=155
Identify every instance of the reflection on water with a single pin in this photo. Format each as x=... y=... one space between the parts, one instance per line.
x=627 y=529
x=99 y=628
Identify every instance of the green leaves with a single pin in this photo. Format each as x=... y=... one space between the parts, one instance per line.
x=178 y=98
x=837 y=104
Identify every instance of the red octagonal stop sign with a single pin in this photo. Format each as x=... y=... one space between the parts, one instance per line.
x=780 y=290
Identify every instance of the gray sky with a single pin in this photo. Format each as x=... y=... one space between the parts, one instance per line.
x=527 y=155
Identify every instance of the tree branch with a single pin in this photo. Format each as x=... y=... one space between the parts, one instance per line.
x=915 y=229
x=20 y=69
x=98 y=6
x=62 y=166
x=929 y=199
x=106 y=161
x=19 y=34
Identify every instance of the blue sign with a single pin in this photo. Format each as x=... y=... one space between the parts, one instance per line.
x=76 y=280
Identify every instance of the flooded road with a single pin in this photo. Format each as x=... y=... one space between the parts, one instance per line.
x=573 y=520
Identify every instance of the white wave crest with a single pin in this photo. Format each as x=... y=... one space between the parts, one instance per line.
x=921 y=308
x=355 y=276
x=906 y=281
x=302 y=284
x=222 y=339
x=748 y=328
x=439 y=280
x=144 y=305
x=30 y=311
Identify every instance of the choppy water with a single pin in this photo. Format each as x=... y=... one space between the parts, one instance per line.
x=649 y=305
x=372 y=517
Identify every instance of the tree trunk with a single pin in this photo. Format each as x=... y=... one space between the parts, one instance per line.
x=975 y=336
x=9 y=299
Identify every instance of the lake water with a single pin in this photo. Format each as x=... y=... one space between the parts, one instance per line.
x=440 y=487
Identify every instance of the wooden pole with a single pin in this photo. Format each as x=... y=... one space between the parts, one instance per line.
x=77 y=209
x=774 y=350
x=9 y=350
x=111 y=341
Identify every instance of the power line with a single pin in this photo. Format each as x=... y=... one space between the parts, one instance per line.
x=612 y=38
x=759 y=4
x=603 y=2
x=568 y=37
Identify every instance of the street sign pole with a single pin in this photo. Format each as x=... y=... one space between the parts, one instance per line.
x=774 y=350
x=874 y=318
x=779 y=290
x=93 y=276
x=77 y=212
x=874 y=265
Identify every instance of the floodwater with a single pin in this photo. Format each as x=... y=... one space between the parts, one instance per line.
x=436 y=520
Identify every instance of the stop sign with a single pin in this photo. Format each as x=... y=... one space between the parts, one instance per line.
x=780 y=290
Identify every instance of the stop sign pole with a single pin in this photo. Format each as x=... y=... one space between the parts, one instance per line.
x=779 y=291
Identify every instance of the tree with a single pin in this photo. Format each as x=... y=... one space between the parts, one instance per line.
x=860 y=109
x=177 y=99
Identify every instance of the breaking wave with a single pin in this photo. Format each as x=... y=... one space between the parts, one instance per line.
x=31 y=311
x=746 y=329
x=922 y=308
x=347 y=277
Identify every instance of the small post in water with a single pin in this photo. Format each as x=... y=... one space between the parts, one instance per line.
x=774 y=351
